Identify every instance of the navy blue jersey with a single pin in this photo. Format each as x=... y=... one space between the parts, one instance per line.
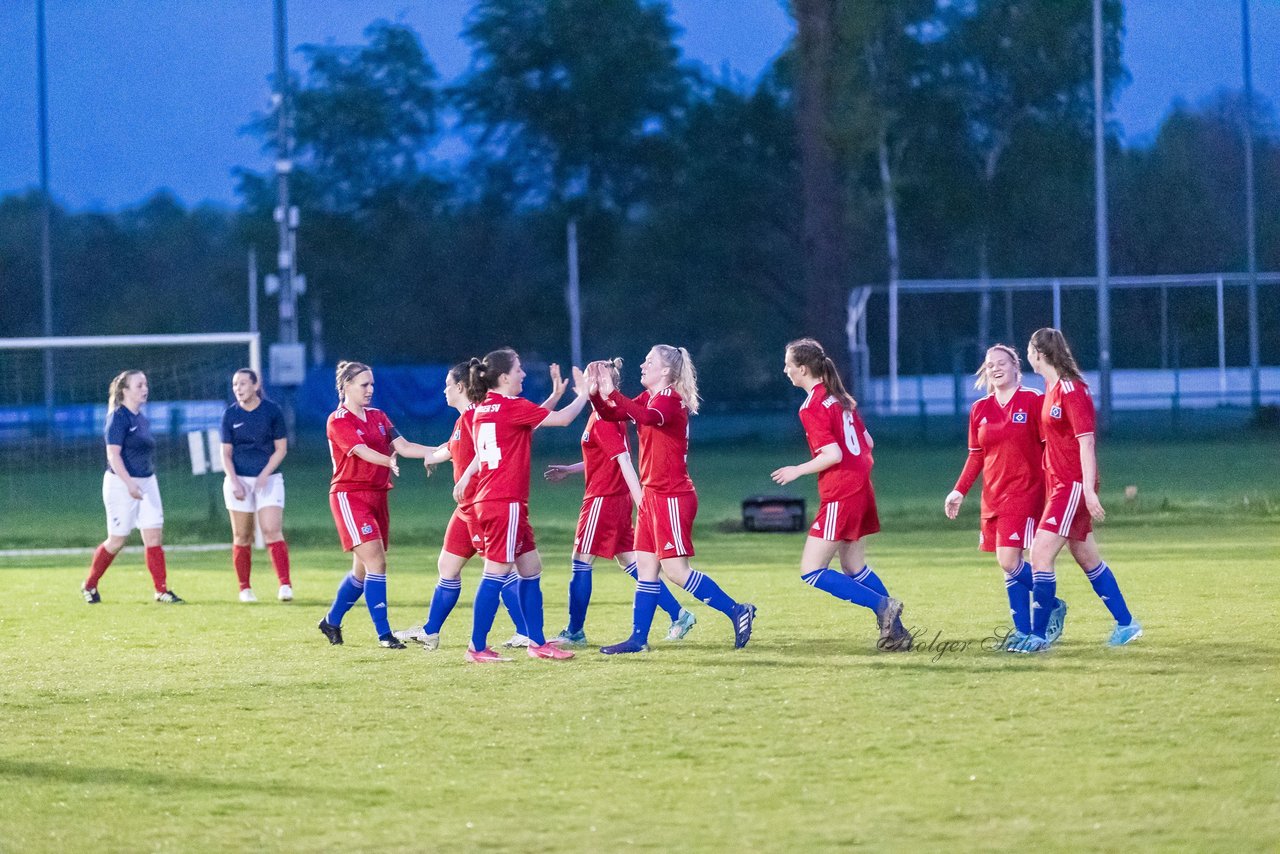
x=252 y=435
x=133 y=434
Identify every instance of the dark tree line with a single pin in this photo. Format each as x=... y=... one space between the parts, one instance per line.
x=908 y=139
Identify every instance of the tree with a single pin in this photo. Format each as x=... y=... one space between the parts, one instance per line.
x=1013 y=61
x=363 y=118
x=827 y=250
x=576 y=96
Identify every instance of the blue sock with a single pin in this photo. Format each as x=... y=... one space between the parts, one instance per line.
x=1044 y=592
x=349 y=593
x=842 y=586
x=867 y=578
x=642 y=612
x=448 y=590
x=1018 y=585
x=375 y=597
x=530 y=590
x=579 y=595
x=488 y=596
x=666 y=599
x=1108 y=590
x=511 y=600
x=706 y=590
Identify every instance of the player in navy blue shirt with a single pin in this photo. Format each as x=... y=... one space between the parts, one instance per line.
x=253 y=445
x=130 y=492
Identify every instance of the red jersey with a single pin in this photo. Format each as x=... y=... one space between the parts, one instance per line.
x=503 y=433
x=1067 y=415
x=663 y=422
x=345 y=431
x=602 y=443
x=1004 y=444
x=462 y=450
x=826 y=422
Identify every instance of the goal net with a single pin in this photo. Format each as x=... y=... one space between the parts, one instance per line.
x=53 y=408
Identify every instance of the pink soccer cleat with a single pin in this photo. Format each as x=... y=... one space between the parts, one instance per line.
x=484 y=656
x=549 y=650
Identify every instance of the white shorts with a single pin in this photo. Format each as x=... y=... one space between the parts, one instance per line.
x=124 y=512
x=254 y=499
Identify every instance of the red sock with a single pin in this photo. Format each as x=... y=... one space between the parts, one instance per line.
x=242 y=558
x=101 y=560
x=280 y=559
x=155 y=566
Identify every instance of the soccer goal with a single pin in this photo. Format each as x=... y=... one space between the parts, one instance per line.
x=53 y=408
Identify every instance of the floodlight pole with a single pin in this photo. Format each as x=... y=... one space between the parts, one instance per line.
x=284 y=215
x=1250 y=222
x=46 y=260
x=572 y=295
x=1100 y=223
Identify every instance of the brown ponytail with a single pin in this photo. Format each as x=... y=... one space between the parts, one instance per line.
x=482 y=374
x=1052 y=345
x=808 y=354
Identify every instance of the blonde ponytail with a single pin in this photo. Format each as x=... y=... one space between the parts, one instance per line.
x=684 y=376
x=115 y=391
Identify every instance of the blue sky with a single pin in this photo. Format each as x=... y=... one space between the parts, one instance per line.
x=145 y=94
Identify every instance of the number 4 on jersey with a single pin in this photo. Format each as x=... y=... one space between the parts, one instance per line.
x=487 y=450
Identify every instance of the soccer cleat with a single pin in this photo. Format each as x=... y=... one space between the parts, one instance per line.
x=418 y=635
x=332 y=632
x=90 y=595
x=170 y=598
x=285 y=594
x=246 y=595
x=549 y=651
x=681 y=625
x=515 y=641
x=887 y=616
x=1031 y=646
x=484 y=656
x=568 y=638
x=1123 y=634
x=627 y=646
x=1012 y=641
x=899 y=640
x=743 y=619
x=390 y=641
x=1057 y=619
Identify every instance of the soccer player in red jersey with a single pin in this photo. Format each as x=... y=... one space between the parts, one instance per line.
x=503 y=430
x=664 y=528
x=604 y=523
x=363 y=444
x=841 y=448
x=1005 y=448
x=462 y=538
x=1071 y=476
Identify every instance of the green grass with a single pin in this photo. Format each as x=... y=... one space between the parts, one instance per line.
x=220 y=726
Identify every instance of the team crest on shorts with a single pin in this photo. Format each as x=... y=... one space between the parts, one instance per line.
x=1056 y=412
x=366 y=528
x=1019 y=418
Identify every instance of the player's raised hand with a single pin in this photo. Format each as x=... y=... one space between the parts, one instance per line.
x=604 y=380
x=785 y=475
x=558 y=384
x=580 y=384
x=952 y=505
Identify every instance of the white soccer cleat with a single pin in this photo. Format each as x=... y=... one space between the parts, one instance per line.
x=246 y=595
x=285 y=594
x=516 y=640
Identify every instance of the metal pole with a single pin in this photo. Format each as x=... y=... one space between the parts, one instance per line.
x=572 y=295
x=1100 y=199
x=893 y=346
x=284 y=165
x=1222 y=344
x=1250 y=222
x=1057 y=304
x=46 y=259
x=253 y=289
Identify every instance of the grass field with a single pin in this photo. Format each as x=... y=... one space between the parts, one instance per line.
x=221 y=726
